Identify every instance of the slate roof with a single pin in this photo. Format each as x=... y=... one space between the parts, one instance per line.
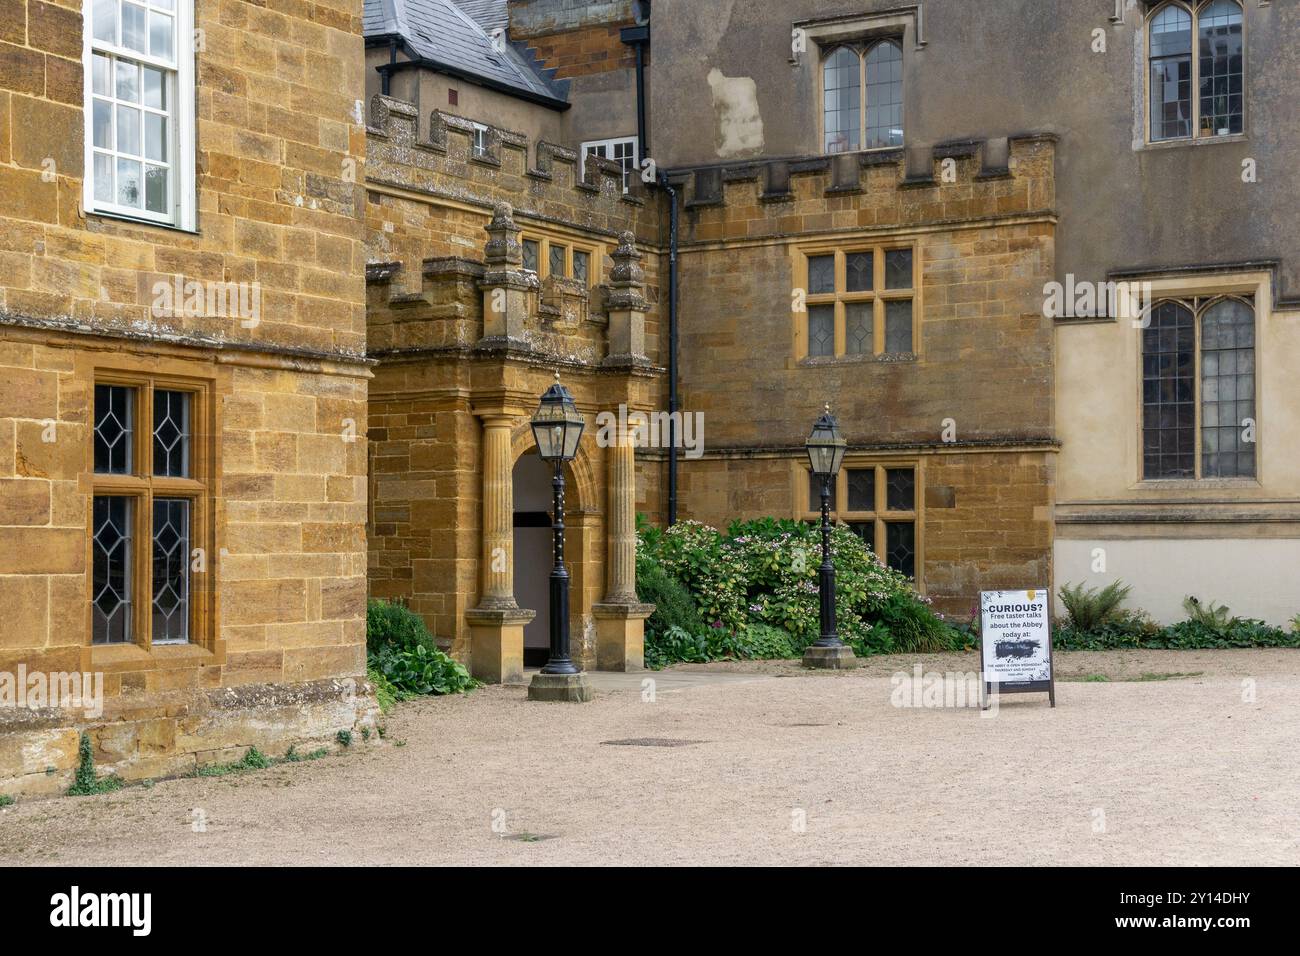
x=489 y=14
x=441 y=32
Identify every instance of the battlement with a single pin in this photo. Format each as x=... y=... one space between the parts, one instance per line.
x=446 y=163
x=944 y=183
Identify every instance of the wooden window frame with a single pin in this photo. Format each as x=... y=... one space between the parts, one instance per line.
x=142 y=486
x=1198 y=305
x=808 y=509
x=1193 y=9
x=878 y=295
x=545 y=241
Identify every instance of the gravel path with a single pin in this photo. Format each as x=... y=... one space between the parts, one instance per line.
x=1155 y=771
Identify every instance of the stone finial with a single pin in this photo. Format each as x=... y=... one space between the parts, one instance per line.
x=503 y=249
x=627 y=273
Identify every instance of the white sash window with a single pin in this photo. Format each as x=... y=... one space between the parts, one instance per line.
x=139 y=75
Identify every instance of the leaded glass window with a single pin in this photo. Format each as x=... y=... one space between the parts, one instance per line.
x=821 y=330
x=859 y=319
x=557 y=257
x=869 y=75
x=900 y=547
x=858 y=272
x=898 y=326
x=114 y=425
x=880 y=506
x=1199 y=389
x=149 y=506
x=581 y=261
x=861 y=301
x=1201 y=45
x=862 y=489
x=171 y=433
x=884 y=95
x=1227 y=390
x=1220 y=66
x=1169 y=392
x=111 y=570
x=900 y=489
x=821 y=274
x=171 y=554
x=841 y=108
x=532 y=254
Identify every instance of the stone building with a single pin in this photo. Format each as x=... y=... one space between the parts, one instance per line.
x=872 y=216
x=182 y=382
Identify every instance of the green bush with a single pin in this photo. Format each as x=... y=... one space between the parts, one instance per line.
x=394 y=625
x=764 y=574
x=1208 y=627
x=402 y=654
x=1088 y=610
x=674 y=606
x=419 y=670
x=764 y=642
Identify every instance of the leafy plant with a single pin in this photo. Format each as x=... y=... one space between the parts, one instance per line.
x=1088 y=610
x=253 y=759
x=1213 y=616
x=403 y=659
x=421 y=670
x=673 y=604
x=6 y=800
x=344 y=737
x=394 y=625
x=86 y=782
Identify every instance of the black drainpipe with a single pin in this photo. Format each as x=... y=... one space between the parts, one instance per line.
x=637 y=37
x=672 y=348
x=386 y=72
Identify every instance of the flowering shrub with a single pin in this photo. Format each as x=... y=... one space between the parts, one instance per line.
x=764 y=573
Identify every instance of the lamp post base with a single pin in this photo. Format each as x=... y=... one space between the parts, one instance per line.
x=830 y=658
x=571 y=688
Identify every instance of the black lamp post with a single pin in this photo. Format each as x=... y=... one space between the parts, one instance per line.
x=825 y=448
x=557 y=428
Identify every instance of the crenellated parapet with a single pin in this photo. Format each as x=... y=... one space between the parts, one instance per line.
x=544 y=182
x=944 y=184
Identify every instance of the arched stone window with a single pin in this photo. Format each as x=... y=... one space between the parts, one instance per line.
x=1195 y=89
x=856 y=75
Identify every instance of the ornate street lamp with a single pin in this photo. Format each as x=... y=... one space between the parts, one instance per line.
x=557 y=428
x=825 y=448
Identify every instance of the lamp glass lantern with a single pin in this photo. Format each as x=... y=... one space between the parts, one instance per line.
x=825 y=446
x=557 y=425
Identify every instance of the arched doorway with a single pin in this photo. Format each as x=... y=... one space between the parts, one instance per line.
x=533 y=553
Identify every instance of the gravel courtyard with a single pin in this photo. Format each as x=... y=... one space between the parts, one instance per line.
x=1143 y=768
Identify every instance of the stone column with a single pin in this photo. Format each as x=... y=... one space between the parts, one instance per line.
x=498 y=515
x=497 y=624
x=620 y=574
x=620 y=618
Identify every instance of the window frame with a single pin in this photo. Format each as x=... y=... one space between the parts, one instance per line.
x=610 y=142
x=1194 y=10
x=142 y=487
x=841 y=297
x=860 y=47
x=807 y=509
x=544 y=243
x=183 y=208
x=1198 y=305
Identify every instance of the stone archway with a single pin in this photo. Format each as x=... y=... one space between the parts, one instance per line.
x=533 y=552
